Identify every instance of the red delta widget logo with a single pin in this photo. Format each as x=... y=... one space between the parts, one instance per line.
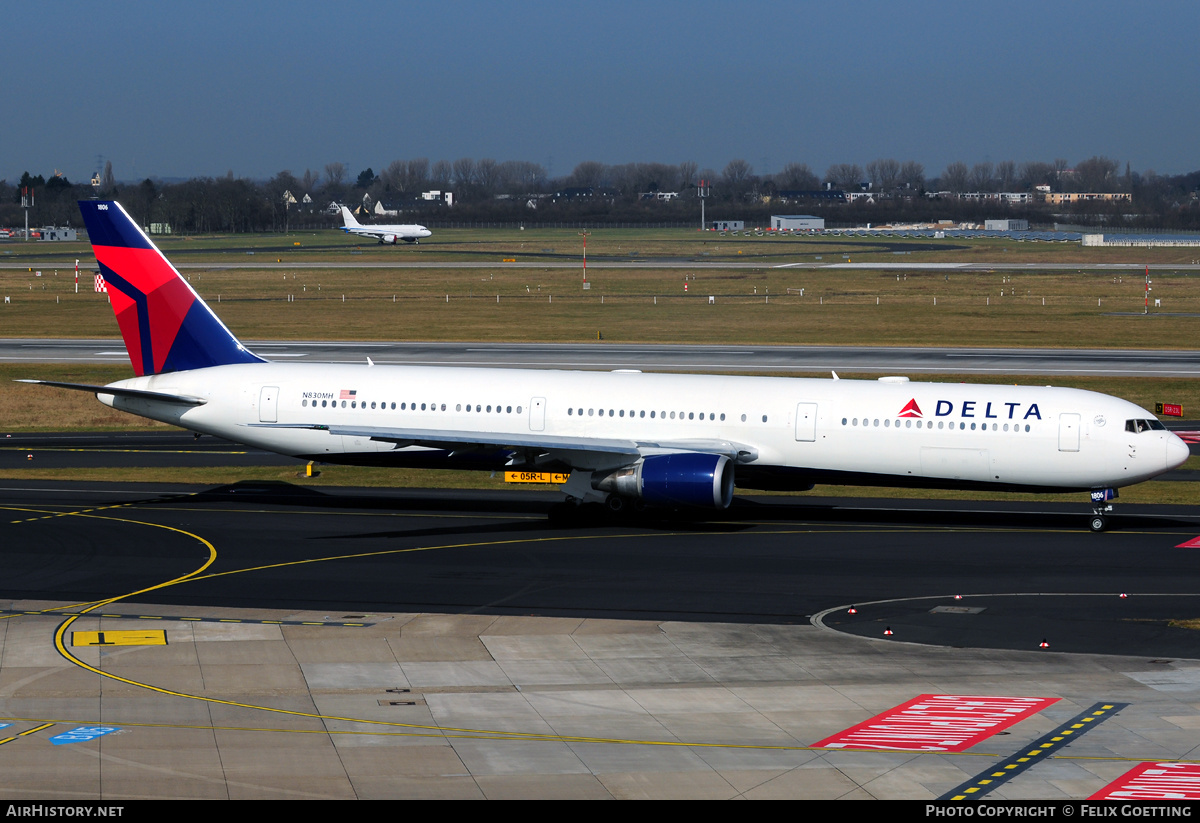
x=970 y=408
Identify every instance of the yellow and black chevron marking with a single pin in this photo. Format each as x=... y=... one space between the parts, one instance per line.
x=151 y=637
x=22 y=734
x=1041 y=749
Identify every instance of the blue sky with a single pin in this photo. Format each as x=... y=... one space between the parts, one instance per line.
x=179 y=90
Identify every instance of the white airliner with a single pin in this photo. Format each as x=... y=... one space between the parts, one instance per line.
x=625 y=437
x=385 y=234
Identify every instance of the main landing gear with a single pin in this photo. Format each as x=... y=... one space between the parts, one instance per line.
x=1101 y=506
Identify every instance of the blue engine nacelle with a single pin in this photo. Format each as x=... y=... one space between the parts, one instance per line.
x=683 y=479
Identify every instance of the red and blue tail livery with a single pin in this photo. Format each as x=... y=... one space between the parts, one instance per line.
x=166 y=326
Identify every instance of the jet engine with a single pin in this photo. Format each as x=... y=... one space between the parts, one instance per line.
x=388 y=238
x=683 y=479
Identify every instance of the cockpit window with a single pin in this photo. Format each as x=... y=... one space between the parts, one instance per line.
x=1139 y=426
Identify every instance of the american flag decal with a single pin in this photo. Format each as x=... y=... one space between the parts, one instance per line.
x=347 y=394
x=100 y=285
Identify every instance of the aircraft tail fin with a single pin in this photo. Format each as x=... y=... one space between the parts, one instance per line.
x=348 y=219
x=165 y=324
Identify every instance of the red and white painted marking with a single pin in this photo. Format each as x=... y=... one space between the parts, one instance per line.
x=938 y=723
x=1194 y=543
x=1189 y=437
x=1155 y=781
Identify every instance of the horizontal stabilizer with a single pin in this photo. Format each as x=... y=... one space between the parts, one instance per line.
x=115 y=391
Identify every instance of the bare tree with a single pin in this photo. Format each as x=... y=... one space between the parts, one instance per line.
x=464 y=172
x=588 y=173
x=1097 y=174
x=416 y=174
x=1006 y=175
x=883 y=174
x=797 y=177
x=335 y=173
x=845 y=176
x=1035 y=173
x=955 y=177
x=1060 y=167
x=687 y=173
x=912 y=175
x=393 y=176
x=520 y=176
x=442 y=174
x=107 y=181
x=980 y=178
x=487 y=176
x=738 y=178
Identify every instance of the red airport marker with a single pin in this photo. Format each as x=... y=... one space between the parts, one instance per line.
x=851 y=610
x=887 y=632
x=1123 y=595
x=1043 y=645
x=958 y=597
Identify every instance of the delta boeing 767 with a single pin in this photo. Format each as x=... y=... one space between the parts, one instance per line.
x=624 y=437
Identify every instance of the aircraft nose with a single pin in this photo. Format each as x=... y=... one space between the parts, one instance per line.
x=1177 y=451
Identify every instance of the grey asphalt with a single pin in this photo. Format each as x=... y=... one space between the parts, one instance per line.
x=349 y=643
x=783 y=359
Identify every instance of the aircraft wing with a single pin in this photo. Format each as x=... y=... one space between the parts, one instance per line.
x=535 y=448
x=365 y=232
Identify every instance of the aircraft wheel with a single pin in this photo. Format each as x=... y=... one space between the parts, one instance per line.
x=615 y=503
x=1098 y=523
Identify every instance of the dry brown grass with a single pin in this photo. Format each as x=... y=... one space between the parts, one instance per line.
x=753 y=306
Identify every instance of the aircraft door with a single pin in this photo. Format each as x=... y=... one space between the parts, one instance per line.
x=537 y=414
x=268 y=404
x=806 y=422
x=1068 y=432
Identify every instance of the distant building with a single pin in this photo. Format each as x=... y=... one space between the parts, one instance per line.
x=797 y=222
x=1006 y=225
x=795 y=195
x=587 y=193
x=445 y=197
x=1058 y=197
x=54 y=233
x=1010 y=197
x=728 y=225
x=658 y=195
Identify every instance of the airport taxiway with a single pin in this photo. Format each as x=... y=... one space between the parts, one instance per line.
x=725 y=358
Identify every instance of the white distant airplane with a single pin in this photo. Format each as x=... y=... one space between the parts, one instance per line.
x=385 y=234
x=625 y=437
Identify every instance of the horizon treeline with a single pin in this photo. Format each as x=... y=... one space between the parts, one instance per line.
x=516 y=190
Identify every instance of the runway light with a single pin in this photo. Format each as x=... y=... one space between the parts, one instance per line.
x=1043 y=645
x=29 y=457
x=851 y=610
x=1123 y=595
x=887 y=632
x=958 y=597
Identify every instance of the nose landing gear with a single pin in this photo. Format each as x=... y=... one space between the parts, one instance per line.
x=1101 y=506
